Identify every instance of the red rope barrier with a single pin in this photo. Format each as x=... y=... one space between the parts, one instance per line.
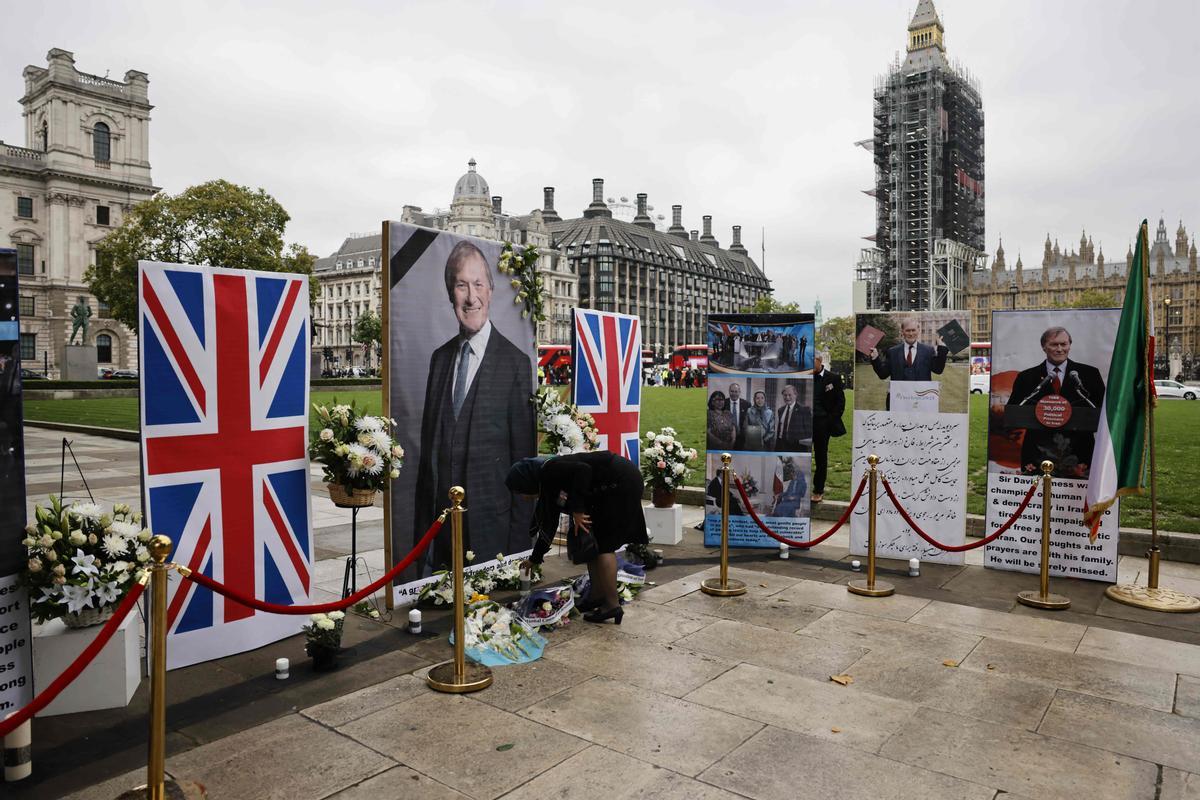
x=319 y=608
x=789 y=542
x=47 y=695
x=960 y=547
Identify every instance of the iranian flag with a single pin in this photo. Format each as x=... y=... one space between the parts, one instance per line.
x=1119 y=460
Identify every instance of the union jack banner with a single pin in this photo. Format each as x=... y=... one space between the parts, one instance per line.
x=224 y=413
x=608 y=377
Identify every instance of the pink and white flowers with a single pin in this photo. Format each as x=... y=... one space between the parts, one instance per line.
x=665 y=461
x=357 y=450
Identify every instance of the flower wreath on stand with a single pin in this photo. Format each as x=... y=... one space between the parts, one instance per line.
x=358 y=452
x=565 y=429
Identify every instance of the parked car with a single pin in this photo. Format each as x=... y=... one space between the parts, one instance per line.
x=104 y=372
x=981 y=384
x=30 y=375
x=1168 y=389
x=125 y=373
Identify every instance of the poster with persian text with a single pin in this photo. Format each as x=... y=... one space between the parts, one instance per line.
x=911 y=377
x=1049 y=375
x=759 y=398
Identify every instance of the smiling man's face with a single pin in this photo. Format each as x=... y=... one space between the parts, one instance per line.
x=472 y=294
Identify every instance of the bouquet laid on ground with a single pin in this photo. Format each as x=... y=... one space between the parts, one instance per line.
x=628 y=586
x=358 y=451
x=484 y=580
x=82 y=560
x=495 y=636
x=546 y=608
x=665 y=461
x=566 y=429
x=324 y=631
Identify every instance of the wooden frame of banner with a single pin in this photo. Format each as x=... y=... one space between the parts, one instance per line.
x=385 y=263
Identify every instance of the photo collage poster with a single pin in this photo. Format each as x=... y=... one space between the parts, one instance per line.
x=759 y=400
x=447 y=300
x=911 y=384
x=16 y=630
x=1049 y=375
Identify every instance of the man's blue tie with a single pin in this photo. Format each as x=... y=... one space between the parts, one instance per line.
x=460 y=376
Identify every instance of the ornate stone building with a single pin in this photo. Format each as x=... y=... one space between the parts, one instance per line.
x=350 y=278
x=670 y=279
x=1065 y=274
x=85 y=164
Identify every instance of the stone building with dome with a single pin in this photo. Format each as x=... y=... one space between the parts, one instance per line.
x=351 y=278
x=1065 y=274
x=84 y=166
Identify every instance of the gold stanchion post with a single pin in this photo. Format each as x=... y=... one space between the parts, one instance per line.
x=458 y=676
x=723 y=586
x=156 y=764
x=1042 y=598
x=870 y=587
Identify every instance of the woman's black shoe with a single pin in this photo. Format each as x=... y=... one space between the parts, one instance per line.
x=587 y=604
x=615 y=613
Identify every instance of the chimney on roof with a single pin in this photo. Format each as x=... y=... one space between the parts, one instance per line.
x=548 y=212
x=598 y=207
x=642 y=220
x=737 y=247
x=707 y=236
x=677 y=223
x=695 y=236
x=497 y=203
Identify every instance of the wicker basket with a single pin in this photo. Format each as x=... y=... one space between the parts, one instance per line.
x=88 y=617
x=354 y=498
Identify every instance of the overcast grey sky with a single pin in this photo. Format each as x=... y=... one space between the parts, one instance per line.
x=747 y=111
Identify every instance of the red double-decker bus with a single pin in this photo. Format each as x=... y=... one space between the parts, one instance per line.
x=689 y=355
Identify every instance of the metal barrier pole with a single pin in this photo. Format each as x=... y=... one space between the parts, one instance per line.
x=160 y=548
x=1043 y=598
x=870 y=587
x=723 y=586
x=458 y=676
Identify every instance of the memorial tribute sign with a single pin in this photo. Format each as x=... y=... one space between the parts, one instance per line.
x=910 y=408
x=16 y=635
x=607 y=351
x=760 y=410
x=224 y=413
x=1049 y=378
x=460 y=366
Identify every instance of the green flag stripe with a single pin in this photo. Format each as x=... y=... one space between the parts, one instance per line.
x=1128 y=395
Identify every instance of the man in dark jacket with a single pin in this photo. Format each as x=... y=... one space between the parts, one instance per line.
x=910 y=360
x=829 y=403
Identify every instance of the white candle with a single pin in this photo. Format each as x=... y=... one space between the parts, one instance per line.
x=414 y=620
x=18 y=754
x=281 y=669
x=784 y=551
x=914 y=567
x=856 y=565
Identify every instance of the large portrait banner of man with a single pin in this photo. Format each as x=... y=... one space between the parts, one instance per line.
x=1049 y=375
x=911 y=383
x=461 y=368
x=760 y=399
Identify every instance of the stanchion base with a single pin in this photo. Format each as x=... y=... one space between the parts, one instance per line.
x=1160 y=599
x=880 y=589
x=172 y=790
x=475 y=677
x=1053 y=602
x=732 y=588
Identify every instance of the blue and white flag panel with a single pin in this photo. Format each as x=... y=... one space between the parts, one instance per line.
x=224 y=413
x=608 y=376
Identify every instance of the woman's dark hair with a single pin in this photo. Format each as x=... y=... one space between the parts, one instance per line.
x=714 y=396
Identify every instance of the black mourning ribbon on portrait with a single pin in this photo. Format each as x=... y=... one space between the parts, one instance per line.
x=410 y=252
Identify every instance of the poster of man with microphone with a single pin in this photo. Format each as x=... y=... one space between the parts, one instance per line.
x=1049 y=375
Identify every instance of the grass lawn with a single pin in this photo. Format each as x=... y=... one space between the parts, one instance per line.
x=684 y=409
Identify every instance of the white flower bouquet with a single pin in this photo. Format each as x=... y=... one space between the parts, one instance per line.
x=665 y=461
x=358 y=451
x=494 y=635
x=82 y=558
x=566 y=429
x=480 y=581
x=324 y=630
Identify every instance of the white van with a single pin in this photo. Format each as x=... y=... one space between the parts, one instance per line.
x=981 y=384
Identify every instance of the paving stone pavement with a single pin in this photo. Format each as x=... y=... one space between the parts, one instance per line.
x=954 y=695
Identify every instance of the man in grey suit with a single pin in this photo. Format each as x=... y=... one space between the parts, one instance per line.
x=478 y=420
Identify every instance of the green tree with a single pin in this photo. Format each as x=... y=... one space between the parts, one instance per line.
x=215 y=223
x=368 y=329
x=767 y=304
x=837 y=336
x=1089 y=298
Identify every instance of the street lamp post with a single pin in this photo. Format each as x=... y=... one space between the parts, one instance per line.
x=1167 y=343
x=1012 y=293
